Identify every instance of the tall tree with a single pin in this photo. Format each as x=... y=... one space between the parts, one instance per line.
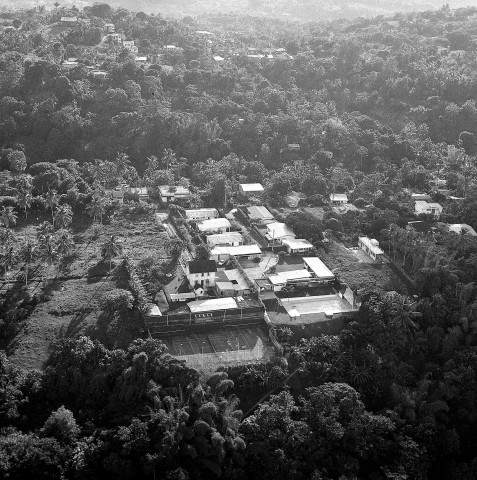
x=51 y=201
x=8 y=216
x=28 y=253
x=111 y=249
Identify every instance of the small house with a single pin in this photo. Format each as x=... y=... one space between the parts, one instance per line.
x=199 y=214
x=141 y=60
x=201 y=272
x=128 y=43
x=277 y=232
x=251 y=188
x=220 y=225
x=258 y=214
x=69 y=20
x=371 y=247
x=320 y=272
x=231 y=239
x=173 y=193
x=114 y=37
x=338 y=199
x=109 y=27
x=292 y=277
x=418 y=197
x=428 y=208
x=223 y=253
x=296 y=246
x=140 y=191
x=462 y=228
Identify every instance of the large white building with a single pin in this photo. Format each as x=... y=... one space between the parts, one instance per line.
x=428 y=208
x=232 y=239
x=221 y=225
x=371 y=247
x=200 y=214
x=277 y=232
x=318 y=269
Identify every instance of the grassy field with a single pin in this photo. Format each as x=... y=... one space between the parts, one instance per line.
x=70 y=303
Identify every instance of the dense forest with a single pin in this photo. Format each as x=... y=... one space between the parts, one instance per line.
x=375 y=108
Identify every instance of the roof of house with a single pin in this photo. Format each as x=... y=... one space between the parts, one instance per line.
x=141 y=59
x=224 y=238
x=338 y=197
x=237 y=250
x=290 y=276
x=372 y=245
x=141 y=191
x=327 y=304
x=173 y=190
x=211 y=305
x=213 y=224
x=251 y=187
x=297 y=243
x=69 y=19
x=420 y=196
x=202 y=266
x=259 y=213
x=318 y=268
x=279 y=230
x=218 y=58
x=191 y=212
x=459 y=227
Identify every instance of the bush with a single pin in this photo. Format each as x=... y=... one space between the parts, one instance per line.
x=360 y=203
x=118 y=300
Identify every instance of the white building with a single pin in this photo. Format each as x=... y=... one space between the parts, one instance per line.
x=172 y=193
x=281 y=279
x=241 y=251
x=250 y=188
x=114 y=37
x=109 y=27
x=69 y=20
x=215 y=304
x=460 y=228
x=339 y=198
x=128 y=43
x=371 y=247
x=232 y=239
x=201 y=272
x=318 y=269
x=297 y=245
x=277 y=232
x=221 y=225
x=141 y=60
x=201 y=213
x=423 y=207
x=259 y=214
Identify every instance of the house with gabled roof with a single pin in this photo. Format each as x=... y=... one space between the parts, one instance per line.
x=201 y=272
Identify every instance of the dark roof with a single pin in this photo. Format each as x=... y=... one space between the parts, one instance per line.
x=202 y=266
x=421 y=226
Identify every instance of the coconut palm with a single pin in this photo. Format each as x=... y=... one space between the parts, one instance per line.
x=111 y=249
x=122 y=164
x=6 y=237
x=48 y=251
x=97 y=208
x=8 y=216
x=8 y=258
x=28 y=253
x=64 y=245
x=63 y=216
x=24 y=200
x=51 y=201
x=45 y=228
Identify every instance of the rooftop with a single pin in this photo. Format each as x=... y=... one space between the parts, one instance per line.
x=297 y=243
x=202 y=266
x=372 y=245
x=335 y=197
x=259 y=213
x=327 y=304
x=289 y=276
x=173 y=190
x=213 y=224
x=251 y=187
x=279 y=230
x=462 y=228
x=210 y=305
x=318 y=268
x=224 y=238
x=191 y=212
x=237 y=250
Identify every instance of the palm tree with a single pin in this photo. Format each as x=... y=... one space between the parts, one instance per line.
x=24 y=201
x=111 y=249
x=97 y=208
x=6 y=237
x=8 y=258
x=64 y=245
x=45 y=228
x=8 y=216
x=51 y=201
x=122 y=163
x=64 y=216
x=28 y=253
x=48 y=251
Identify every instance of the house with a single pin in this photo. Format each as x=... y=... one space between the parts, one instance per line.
x=128 y=43
x=251 y=188
x=212 y=305
x=141 y=60
x=201 y=213
x=201 y=272
x=70 y=63
x=109 y=27
x=98 y=74
x=462 y=228
x=114 y=37
x=69 y=20
x=224 y=252
x=231 y=283
x=218 y=58
x=339 y=199
x=132 y=49
x=292 y=277
x=371 y=247
x=257 y=214
x=417 y=197
x=315 y=308
x=277 y=232
x=117 y=196
x=320 y=272
x=173 y=193
x=297 y=245
x=214 y=225
x=423 y=207
x=140 y=191
x=232 y=239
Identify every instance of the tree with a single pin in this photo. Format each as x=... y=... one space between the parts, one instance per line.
x=118 y=300
x=8 y=216
x=97 y=208
x=63 y=216
x=64 y=244
x=51 y=201
x=24 y=200
x=28 y=253
x=61 y=424
x=111 y=249
x=48 y=251
x=8 y=258
x=17 y=161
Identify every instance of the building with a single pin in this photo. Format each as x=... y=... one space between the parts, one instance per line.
x=117 y=196
x=128 y=43
x=140 y=191
x=258 y=214
x=417 y=197
x=109 y=27
x=141 y=60
x=251 y=188
x=371 y=247
x=69 y=20
x=70 y=63
x=339 y=198
x=320 y=272
x=211 y=305
x=231 y=283
x=223 y=253
x=98 y=74
x=232 y=239
x=173 y=193
x=218 y=58
x=221 y=225
x=133 y=49
x=201 y=272
x=201 y=214
x=291 y=277
x=462 y=228
x=423 y=207
x=114 y=37
x=277 y=232
x=297 y=245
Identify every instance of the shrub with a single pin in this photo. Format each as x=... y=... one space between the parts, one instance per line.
x=118 y=300
x=360 y=203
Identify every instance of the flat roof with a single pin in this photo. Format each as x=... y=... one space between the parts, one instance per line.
x=213 y=223
x=221 y=238
x=236 y=250
x=173 y=189
x=202 y=266
x=318 y=268
x=259 y=213
x=459 y=227
x=234 y=275
x=191 y=211
x=211 y=305
x=251 y=187
x=327 y=304
x=291 y=275
x=338 y=196
x=296 y=243
x=372 y=245
x=279 y=230
x=154 y=311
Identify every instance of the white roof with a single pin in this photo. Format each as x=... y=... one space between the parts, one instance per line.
x=213 y=224
x=191 y=212
x=177 y=190
x=259 y=213
x=224 y=238
x=154 y=311
x=218 y=58
x=334 y=197
x=237 y=250
x=297 y=243
x=198 y=306
x=251 y=187
x=279 y=230
x=327 y=304
x=141 y=59
x=69 y=19
x=318 y=268
x=458 y=227
x=204 y=32
x=372 y=245
x=289 y=276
